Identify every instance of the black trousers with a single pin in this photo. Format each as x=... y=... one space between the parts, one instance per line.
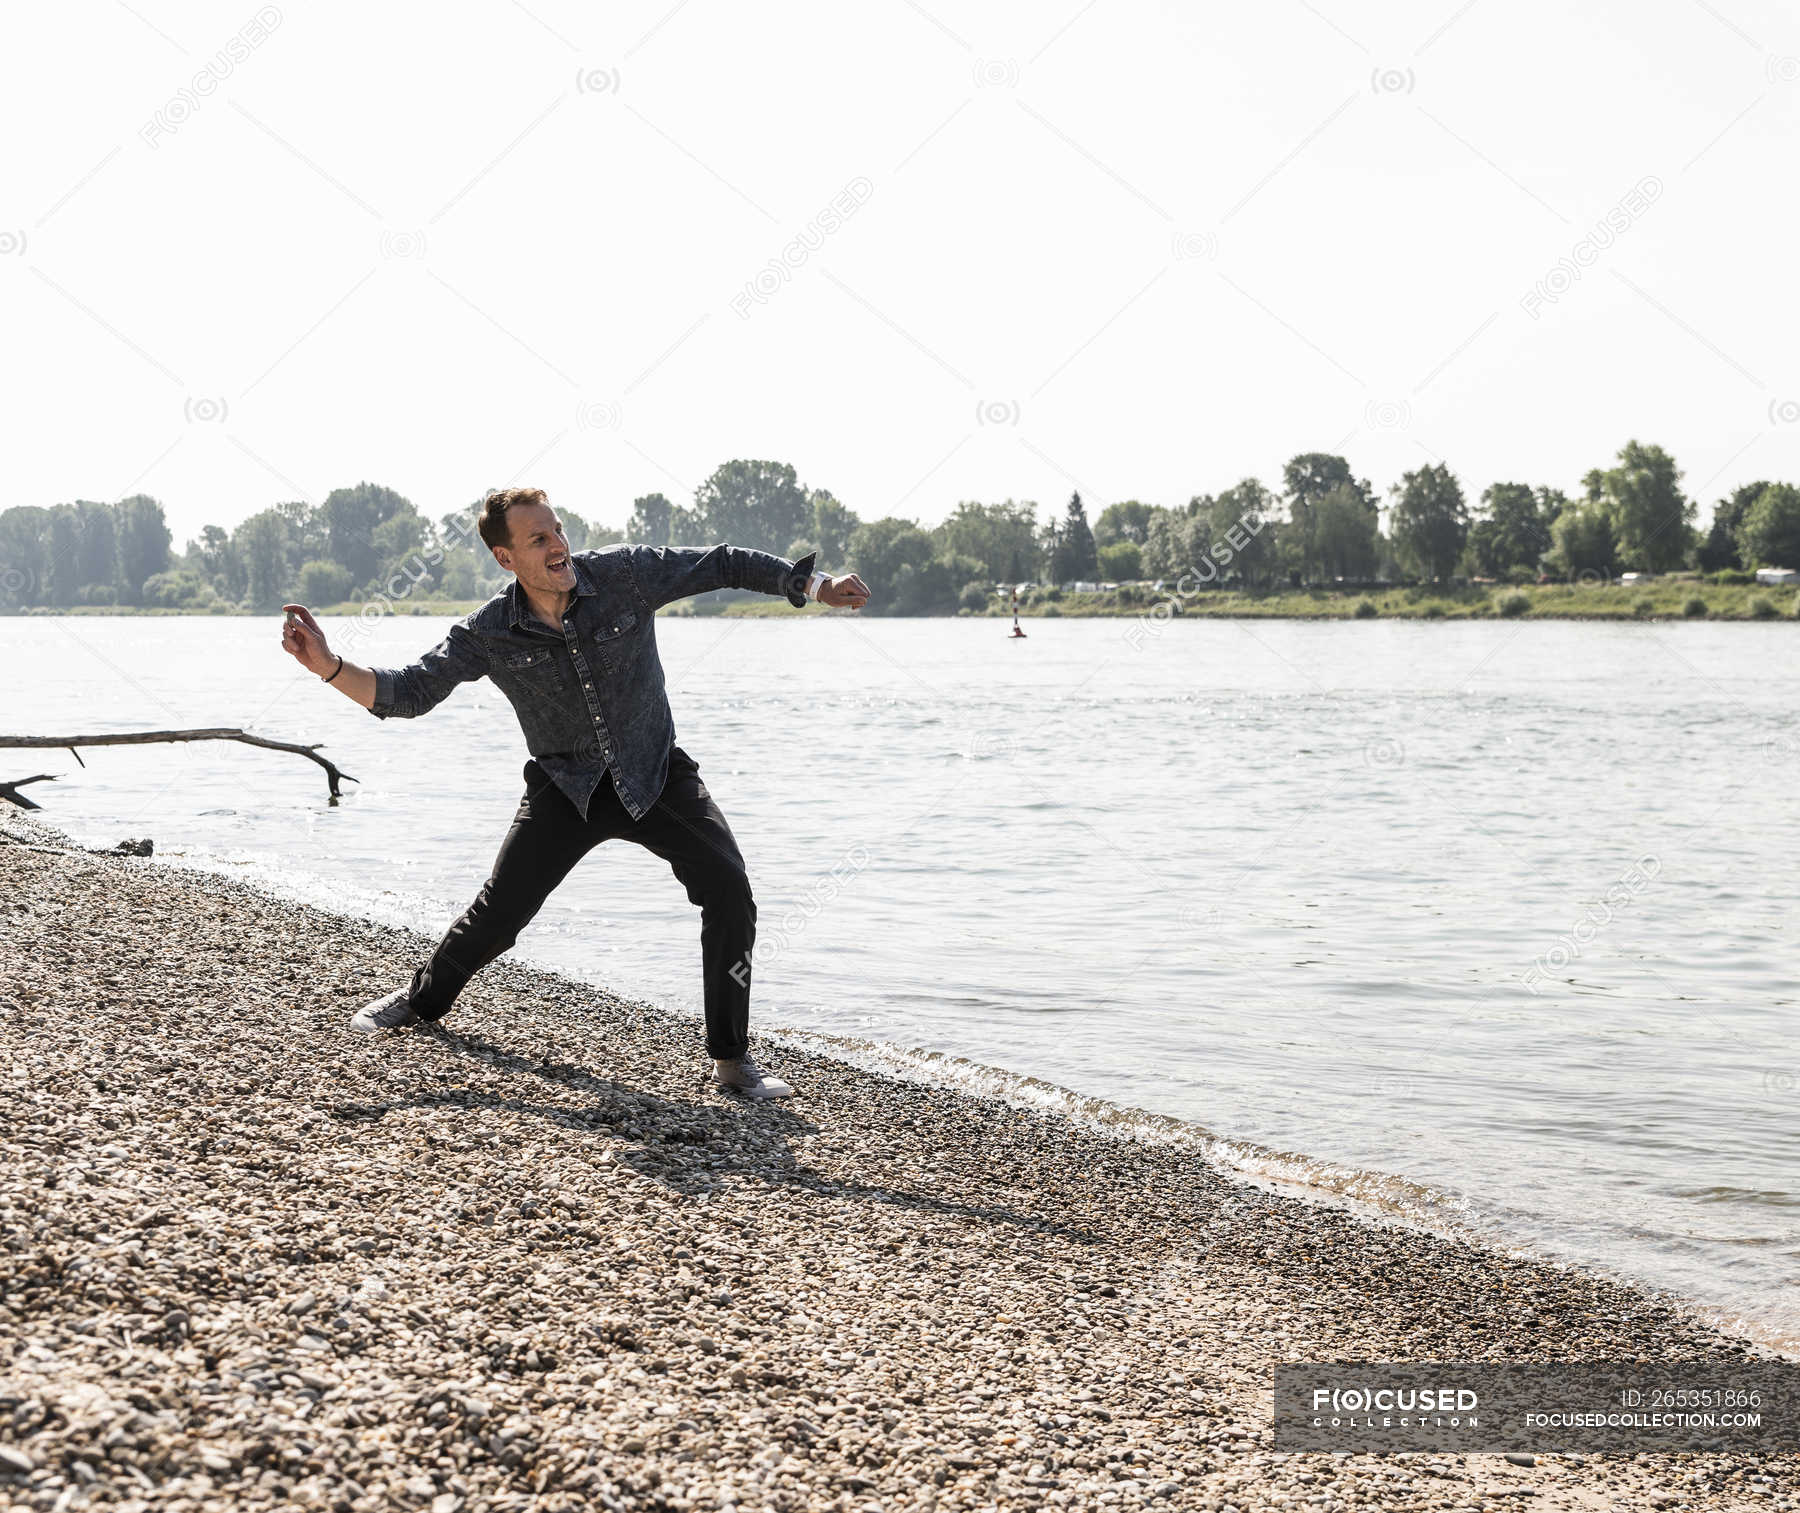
x=548 y=837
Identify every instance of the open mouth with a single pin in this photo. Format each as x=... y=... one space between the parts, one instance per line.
x=557 y=564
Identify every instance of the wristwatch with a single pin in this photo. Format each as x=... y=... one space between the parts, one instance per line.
x=815 y=583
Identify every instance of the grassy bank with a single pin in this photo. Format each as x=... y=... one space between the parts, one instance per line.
x=1660 y=599
x=349 y=609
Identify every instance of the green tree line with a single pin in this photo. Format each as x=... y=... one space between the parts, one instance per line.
x=1327 y=525
x=1323 y=525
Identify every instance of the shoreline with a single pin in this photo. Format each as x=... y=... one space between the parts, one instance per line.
x=1657 y=601
x=277 y=1254
x=1375 y=1195
x=1378 y=1198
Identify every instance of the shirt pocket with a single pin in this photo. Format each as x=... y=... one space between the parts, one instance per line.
x=619 y=625
x=532 y=679
x=614 y=639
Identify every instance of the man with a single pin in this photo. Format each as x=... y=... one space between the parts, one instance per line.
x=571 y=642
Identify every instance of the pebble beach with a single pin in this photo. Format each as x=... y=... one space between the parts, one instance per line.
x=531 y=1258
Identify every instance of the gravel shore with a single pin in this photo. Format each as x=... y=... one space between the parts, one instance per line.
x=531 y=1258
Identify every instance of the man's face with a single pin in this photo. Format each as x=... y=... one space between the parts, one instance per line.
x=539 y=551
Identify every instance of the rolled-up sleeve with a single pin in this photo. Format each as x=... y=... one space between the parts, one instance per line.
x=408 y=692
x=667 y=573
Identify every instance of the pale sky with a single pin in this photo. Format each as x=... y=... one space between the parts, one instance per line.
x=1140 y=249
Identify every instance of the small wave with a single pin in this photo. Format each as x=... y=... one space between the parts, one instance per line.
x=393 y=907
x=1379 y=1193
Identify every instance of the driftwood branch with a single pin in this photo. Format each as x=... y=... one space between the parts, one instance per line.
x=145 y=737
x=11 y=790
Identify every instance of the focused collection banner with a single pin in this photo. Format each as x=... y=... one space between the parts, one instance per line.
x=1543 y=1407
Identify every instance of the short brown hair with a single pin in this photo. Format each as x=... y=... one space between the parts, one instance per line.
x=493 y=526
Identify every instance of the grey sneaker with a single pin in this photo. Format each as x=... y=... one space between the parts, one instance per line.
x=388 y=1013
x=746 y=1077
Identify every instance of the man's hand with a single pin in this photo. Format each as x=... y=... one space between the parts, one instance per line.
x=847 y=592
x=302 y=639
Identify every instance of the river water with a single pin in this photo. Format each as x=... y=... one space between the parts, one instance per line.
x=1490 y=925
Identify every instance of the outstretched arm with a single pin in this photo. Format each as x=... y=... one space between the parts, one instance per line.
x=404 y=692
x=667 y=573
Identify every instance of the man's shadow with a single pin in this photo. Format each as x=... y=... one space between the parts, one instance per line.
x=656 y=1126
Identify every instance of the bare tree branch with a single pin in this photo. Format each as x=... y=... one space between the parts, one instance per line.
x=11 y=790
x=144 y=737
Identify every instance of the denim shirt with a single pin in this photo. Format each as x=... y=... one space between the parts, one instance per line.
x=590 y=696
